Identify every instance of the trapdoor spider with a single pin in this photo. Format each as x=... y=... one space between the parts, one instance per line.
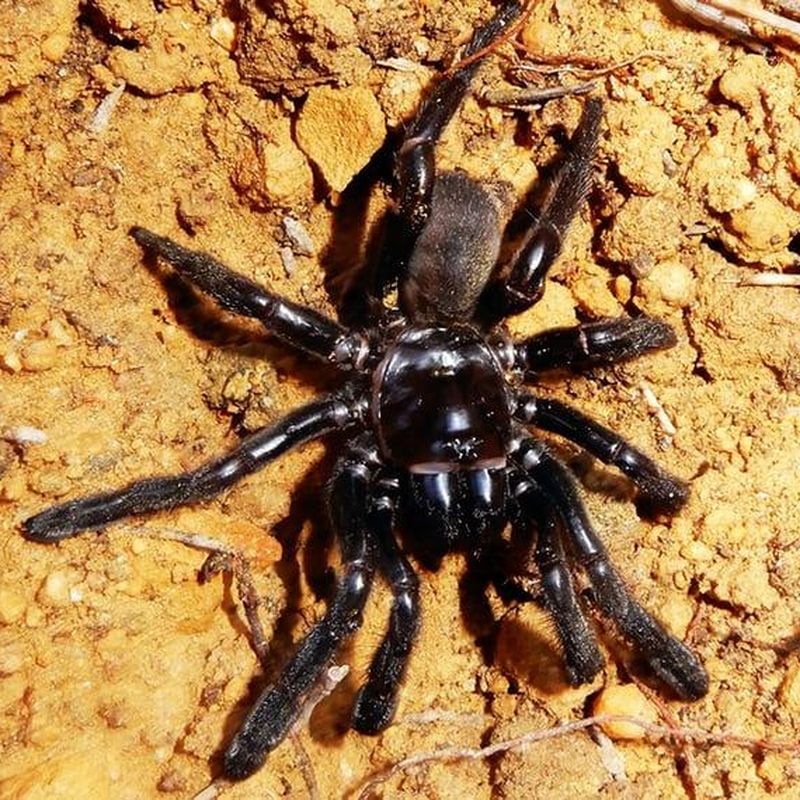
x=439 y=440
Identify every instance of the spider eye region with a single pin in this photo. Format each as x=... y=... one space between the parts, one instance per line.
x=440 y=402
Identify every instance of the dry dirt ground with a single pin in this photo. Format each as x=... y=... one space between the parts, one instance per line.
x=120 y=675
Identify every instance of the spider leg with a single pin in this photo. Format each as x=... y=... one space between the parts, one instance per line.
x=415 y=163
x=339 y=410
x=377 y=699
x=669 y=658
x=593 y=343
x=582 y=659
x=658 y=490
x=272 y=716
x=522 y=284
x=296 y=325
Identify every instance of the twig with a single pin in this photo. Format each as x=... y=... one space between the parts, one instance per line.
x=102 y=114
x=691 y=736
x=771 y=279
x=506 y=36
x=515 y=97
x=556 y=65
x=684 y=758
x=330 y=679
x=654 y=404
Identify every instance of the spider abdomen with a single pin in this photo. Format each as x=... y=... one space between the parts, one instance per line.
x=440 y=402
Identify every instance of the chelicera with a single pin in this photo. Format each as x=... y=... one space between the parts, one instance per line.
x=438 y=426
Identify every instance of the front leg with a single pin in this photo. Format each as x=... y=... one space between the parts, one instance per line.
x=415 y=162
x=273 y=714
x=522 y=284
x=296 y=325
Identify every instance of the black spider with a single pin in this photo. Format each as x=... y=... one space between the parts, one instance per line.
x=439 y=442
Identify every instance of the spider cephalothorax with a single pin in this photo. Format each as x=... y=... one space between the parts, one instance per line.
x=439 y=444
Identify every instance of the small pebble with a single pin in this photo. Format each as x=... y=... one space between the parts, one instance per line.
x=25 y=434
x=288 y=261
x=55 y=589
x=12 y=658
x=223 y=32
x=10 y=360
x=55 y=46
x=12 y=605
x=625 y=701
x=302 y=244
x=39 y=355
x=789 y=693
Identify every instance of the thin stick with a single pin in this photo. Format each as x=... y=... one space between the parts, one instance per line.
x=693 y=736
x=508 y=34
x=771 y=279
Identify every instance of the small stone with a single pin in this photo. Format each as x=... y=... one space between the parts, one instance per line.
x=10 y=360
x=645 y=229
x=765 y=225
x=789 y=692
x=55 y=589
x=772 y=769
x=288 y=260
x=670 y=282
x=138 y=547
x=34 y=618
x=12 y=605
x=55 y=46
x=223 y=32
x=697 y=552
x=12 y=487
x=301 y=240
x=625 y=701
x=39 y=356
x=25 y=434
x=172 y=781
x=339 y=130
x=12 y=658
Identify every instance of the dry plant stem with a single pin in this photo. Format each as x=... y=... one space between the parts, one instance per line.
x=222 y=558
x=655 y=408
x=788 y=7
x=729 y=16
x=194 y=540
x=331 y=678
x=771 y=279
x=690 y=736
x=514 y=97
x=306 y=766
x=586 y=66
x=684 y=760
x=509 y=34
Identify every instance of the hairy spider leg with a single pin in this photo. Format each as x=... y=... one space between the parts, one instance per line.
x=658 y=490
x=522 y=285
x=582 y=658
x=377 y=699
x=415 y=161
x=295 y=324
x=272 y=716
x=671 y=660
x=336 y=411
x=580 y=347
